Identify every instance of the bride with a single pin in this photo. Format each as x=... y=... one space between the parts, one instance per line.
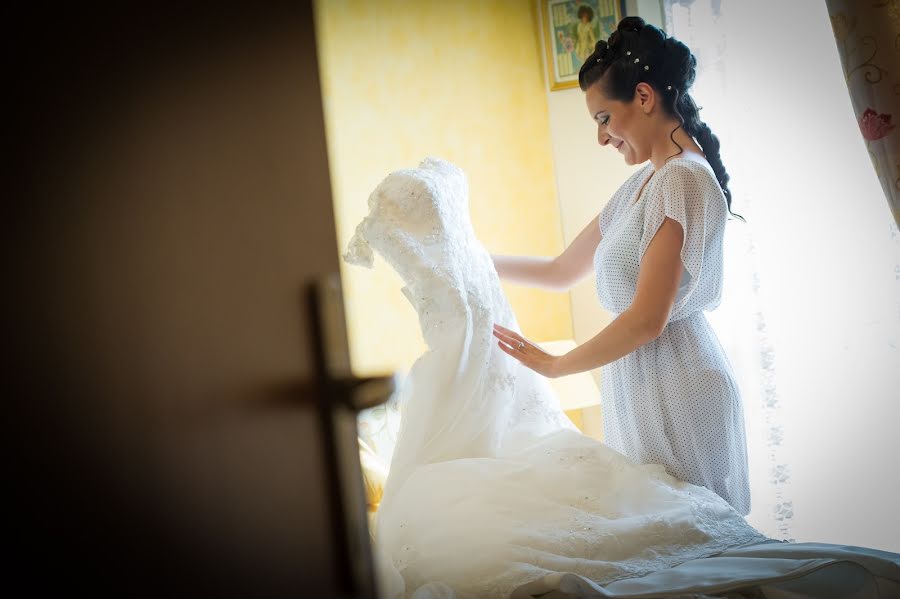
x=490 y=486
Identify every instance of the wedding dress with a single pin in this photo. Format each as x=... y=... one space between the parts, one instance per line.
x=491 y=486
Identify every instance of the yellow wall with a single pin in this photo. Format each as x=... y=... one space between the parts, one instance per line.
x=461 y=80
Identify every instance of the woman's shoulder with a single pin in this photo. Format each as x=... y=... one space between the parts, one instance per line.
x=691 y=167
x=689 y=180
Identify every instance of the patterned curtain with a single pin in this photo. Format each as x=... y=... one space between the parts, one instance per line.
x=868 y=40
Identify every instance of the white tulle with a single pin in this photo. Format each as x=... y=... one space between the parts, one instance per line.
x=490 y=485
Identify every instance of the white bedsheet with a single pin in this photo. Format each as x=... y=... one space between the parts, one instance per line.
x=771 y=570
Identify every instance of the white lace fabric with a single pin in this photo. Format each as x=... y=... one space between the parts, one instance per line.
x=490 y=485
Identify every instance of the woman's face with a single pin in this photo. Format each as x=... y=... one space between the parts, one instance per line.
x=624 y=126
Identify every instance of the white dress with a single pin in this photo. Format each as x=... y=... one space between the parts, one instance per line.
x=490 y=486
x=673 y=401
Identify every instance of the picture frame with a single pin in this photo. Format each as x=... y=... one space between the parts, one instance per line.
x=570 y=29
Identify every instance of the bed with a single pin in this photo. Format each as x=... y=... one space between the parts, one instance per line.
x=772 y=570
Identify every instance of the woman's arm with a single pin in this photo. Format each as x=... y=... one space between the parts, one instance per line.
x=553 y=274
x=643 y=321
x=646 y=317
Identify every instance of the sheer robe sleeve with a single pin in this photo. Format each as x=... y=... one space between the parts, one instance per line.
x=689 y=194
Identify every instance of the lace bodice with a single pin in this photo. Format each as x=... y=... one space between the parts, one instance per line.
x=419 y=222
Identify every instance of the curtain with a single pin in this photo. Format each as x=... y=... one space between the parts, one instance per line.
x=868 y=40
x=810 y=316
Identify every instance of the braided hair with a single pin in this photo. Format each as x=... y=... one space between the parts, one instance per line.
x=639 y=52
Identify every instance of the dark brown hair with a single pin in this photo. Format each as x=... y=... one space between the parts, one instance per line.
x=639 y=52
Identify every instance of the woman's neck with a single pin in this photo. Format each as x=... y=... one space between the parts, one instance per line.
x=666 y=149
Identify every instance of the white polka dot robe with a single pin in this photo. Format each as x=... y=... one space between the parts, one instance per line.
x=674 y=400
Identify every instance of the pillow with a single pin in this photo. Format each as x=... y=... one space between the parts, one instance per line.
x=378 y=427
x=374 y=474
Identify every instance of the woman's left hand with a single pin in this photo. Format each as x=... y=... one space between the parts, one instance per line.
x=526 y=352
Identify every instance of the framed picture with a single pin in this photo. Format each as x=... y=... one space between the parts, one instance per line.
x=571 y=28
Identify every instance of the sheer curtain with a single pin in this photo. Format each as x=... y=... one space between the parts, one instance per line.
x=811 y=312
